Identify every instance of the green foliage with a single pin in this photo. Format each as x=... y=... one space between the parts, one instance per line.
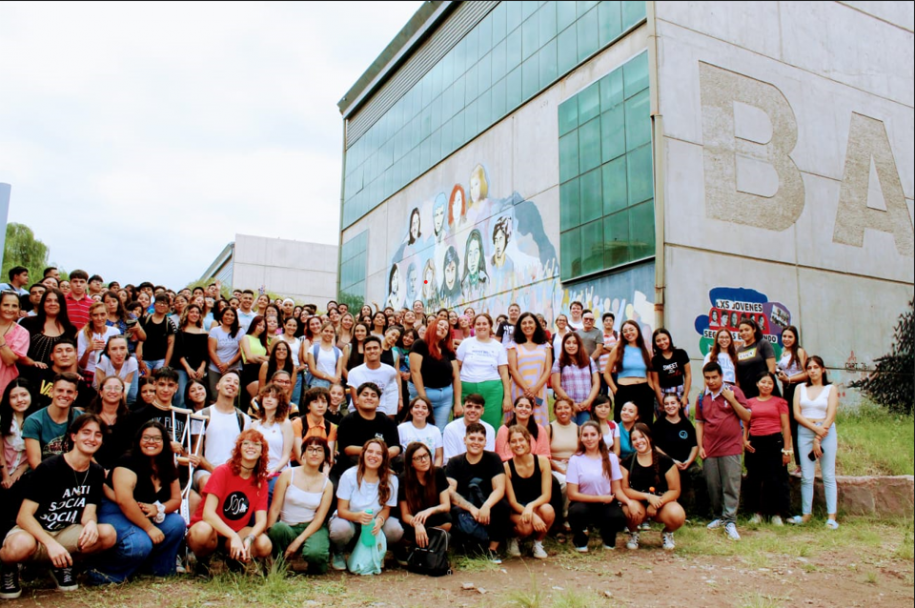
x=23 y=249
x=354 y=302
x=892 y=383
x=875 y=441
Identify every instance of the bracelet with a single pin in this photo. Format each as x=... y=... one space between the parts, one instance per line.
x=788 y=452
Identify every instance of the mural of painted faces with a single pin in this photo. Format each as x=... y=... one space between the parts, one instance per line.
x=457 y=208
x=429 y=282
x=479 y=186
x=395 y=300
x=438 y=216
x=475 y=280
x=500 y=237
x=451 y=287
x=415 y=233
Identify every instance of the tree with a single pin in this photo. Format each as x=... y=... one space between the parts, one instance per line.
x=23 y=249
x=892 y=383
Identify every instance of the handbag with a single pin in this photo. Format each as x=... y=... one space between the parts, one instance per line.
x=433 y=559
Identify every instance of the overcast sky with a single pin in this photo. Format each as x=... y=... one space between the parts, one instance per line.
x=140 y=138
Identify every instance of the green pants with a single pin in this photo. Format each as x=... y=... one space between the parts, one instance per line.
x=492 y=394
x=315 y=550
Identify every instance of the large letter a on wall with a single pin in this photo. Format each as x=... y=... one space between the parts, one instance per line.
x=749 y=177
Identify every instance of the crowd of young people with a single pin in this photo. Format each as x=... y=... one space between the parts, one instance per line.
x=141 y=425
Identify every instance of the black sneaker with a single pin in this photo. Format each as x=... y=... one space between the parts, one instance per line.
x=202 y=568
x=64 y=578
x=9 y=582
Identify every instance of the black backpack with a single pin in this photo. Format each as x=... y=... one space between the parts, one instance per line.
x=433 y=560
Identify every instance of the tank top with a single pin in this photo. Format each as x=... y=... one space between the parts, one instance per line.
x=563 y=441
x=792 y=369
x=274 y=436
x=527 y=489
x=815 y=409
x=633 y=365
x=299 y=506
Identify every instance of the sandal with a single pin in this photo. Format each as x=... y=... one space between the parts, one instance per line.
x=832 y=524
x=797 y=520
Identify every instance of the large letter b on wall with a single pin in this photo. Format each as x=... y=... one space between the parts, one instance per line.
x=748 y=131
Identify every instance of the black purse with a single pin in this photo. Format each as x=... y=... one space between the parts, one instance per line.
x=433 y=559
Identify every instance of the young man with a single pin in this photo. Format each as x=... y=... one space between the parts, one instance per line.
x=477 y=486
x=213 y=290
x=363 y=424
x=506 y=330
x=611 y=337
x=288 y=308
x=720 y=438
x=161 y=409
x=78 y=301
x=591 y=337
x=456 y=430
x=19 y=278
x=156 y=351
x=51 y=272
x=376 y=372
x=225 y=424
x=245 y=312
x=45 y=431
x=96 y=285
x=63 y=360
x=35 y=292
x=575 y=310
x=57 y=521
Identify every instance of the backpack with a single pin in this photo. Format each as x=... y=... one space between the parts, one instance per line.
x=433 y=560
x=239 y=416
x=315 y=350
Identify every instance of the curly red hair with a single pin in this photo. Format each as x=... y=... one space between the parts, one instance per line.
x=260 y=469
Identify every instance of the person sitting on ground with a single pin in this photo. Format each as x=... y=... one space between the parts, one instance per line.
x=424 y=497
x=453 y=436
x=602 y=413
x=233 y=491
x=629 y=415
x=57 y=521
x=528 y=488
x=366 y=423
x=651 y=480
x=522 y=415
x=302 y=499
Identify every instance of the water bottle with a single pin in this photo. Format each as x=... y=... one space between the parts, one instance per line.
x=366 y=536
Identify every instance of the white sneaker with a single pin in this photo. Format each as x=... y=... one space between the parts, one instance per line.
x=633 y=543
x=731 y=531
x=513 y=549
x=539 y=551
x=756 y=520
x=777 y=521
x=715 y=525
x=668 y=541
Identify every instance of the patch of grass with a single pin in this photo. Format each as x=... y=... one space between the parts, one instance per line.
x=532 y=597
x=573 y=599
x=758 y=600
x=471 y=563
x=871 y=578
x=906 y=549
x=874 y=441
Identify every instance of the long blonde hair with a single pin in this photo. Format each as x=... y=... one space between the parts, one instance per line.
x=87 y=329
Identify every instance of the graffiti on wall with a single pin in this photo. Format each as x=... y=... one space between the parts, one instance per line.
x=732 y=305
x=466 y=246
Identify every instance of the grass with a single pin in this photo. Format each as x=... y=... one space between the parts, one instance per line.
x=759 y=600
x=473 y=563
x=873 y=441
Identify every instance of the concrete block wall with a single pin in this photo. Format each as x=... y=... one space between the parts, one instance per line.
x=306 y=272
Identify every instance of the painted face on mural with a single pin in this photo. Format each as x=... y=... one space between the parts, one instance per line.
x=457 y=204
x=498 y=244
x=438 y=219
x=476 y=189
x=414 y=226
x=450 y=275
x=473 y=256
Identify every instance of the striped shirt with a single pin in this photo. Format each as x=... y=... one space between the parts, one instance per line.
x=78 y=310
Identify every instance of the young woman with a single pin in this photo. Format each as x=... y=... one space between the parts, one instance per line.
x=353 y=353
x=301 y=501
x=754 y=358
x=791 y=373
x=15 y=407
x=325 y=360
x=407 y=341
x=725 y=354
x=345 y=332
x=602 y=414
x=631 y=361
x=313 y=422
x=273 y=329
x=195 y=395
x=629 y=415
x=280 y=358
x=594 y=490
x=424 y=496
x=651 y=480
x=234 y=492
x=464 y=330
x=522 y=414
x=142 y=498
x=379 y=323
x=365 y=495
x=483 y=363
x=575 y=377
x=290 y=331
x=253 y=353
x=671 y=372
x=272 y=421
x=815 y=406
x=562 y=328
x=111 y=406
x=767 y=445
x=336 y=407
x=191 y=348
x=419 y=427
x=528 y=489
x=178 y=309
x=223 y=348
x=530 y=363
x=436 y=374
x=390 y=352
x=146 y=392
x=93 y=338
x=14 y=340
x=260 y=305
x=118 y=317
x=563 y=440
x=675 y=436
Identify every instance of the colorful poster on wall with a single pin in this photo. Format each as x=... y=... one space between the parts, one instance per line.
x=732 y=305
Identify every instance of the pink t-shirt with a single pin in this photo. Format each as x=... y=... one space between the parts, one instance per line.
x=588 y=473
x=17 y=338
x=766 y=415
x=539 y=446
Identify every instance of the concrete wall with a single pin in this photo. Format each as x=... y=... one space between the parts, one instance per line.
x=786 y=131
x=306 y=272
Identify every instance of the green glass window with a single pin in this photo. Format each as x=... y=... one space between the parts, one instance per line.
x=353 y=258
x=606 y=177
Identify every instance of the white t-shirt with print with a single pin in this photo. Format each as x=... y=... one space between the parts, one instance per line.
x=365 y=495
x=480 y=361
x=430 y=436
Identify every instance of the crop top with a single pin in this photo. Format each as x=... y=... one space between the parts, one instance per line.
x=633 y=365
x=814 y=409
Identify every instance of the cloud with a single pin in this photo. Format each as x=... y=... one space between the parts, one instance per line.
x=141 y=137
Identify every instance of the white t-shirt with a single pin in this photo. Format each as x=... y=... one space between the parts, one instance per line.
x=82 y=345
x=576 y=324
x=104 y=365
x=226 y=346
x=222 y=431
x=429 y=436
x=244 y=320
x=326 y=359
x=387 y=379
x=613 y=435
x=365 y=495
x=274 y=436
x=728 y=373
x=453 y=438
x=480 y=361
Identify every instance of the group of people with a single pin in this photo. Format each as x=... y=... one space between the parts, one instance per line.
x=139 y=425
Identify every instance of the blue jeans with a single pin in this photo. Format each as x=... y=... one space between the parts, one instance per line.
x=154 y=365
x=827 y=466
x=581 y=417
x=178 y=399
x=134 y=550
x=441 y=400
x=132 y=390
x=297 y=391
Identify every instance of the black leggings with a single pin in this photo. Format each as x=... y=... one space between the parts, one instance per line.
x=766 y=486
x=789 y=397
x=639 y=394
x=608 y=518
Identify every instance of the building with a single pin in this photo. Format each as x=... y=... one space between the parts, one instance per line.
x=305 y=272
x=685 y=164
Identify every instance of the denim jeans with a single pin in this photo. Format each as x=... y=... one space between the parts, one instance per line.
x=134 y=550
x=809 y=467
x=178 y=399
x=441 y=400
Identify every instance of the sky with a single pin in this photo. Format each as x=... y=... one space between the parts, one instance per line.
x=139 y=138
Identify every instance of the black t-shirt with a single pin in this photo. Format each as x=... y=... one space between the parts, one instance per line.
x=676 y=440
x=670 y=371
x=44 y=380
x=436 y=373
x=163 y=417
x=356 y=430
x=506 y=333
x=144 y=490
x=62 y=494
x=643 y=479
x=460 y=470
x=116 y=441
x=441 y=484
x=156 y=344
x=751 y=364
x=193 y=347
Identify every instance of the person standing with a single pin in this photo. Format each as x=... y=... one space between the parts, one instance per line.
x=754 y=358
x=768 y=451
x=671 y=371
x=631 y=361
x=78 y=301
x=384 y=376
x=157 y=350
x=14 y=340
x=530 y=363
x=791 y=373
x=484 y=370
x=592 y=338
x=435 y=373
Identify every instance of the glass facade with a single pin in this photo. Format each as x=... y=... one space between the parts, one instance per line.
x=516 y=51
x=605 y=169
x=353 y=257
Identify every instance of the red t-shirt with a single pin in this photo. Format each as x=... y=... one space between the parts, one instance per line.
x=238 y=498
x=722 y=433
x=78 y=310
x=766 y=416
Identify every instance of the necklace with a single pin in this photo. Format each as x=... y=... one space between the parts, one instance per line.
x=79 y=486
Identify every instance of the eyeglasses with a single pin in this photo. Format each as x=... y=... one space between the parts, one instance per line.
x=151 y=439
x=112 y=389
x=421 y=458
x=250 y=444
x=315 y=450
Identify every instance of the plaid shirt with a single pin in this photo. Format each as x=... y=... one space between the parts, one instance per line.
x=576 y=381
